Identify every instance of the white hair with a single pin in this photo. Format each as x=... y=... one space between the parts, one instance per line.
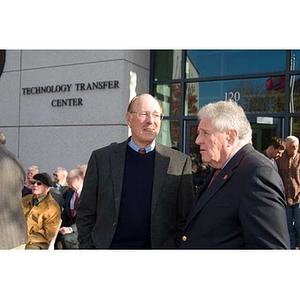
x=291 y=139
x=227 y=115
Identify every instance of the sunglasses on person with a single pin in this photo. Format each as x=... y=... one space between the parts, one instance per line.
x=35 y=182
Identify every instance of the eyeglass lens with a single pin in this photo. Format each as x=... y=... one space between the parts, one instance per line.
x=35 y=182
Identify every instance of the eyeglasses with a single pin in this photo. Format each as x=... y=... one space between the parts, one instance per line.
x=35 y=182
x=142 y=115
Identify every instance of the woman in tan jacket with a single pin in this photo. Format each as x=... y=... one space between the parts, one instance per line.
x=42 y=213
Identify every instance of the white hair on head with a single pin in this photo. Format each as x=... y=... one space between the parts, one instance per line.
x=227 y=115
x=291 y=139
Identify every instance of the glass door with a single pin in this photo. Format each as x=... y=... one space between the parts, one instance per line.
x=263 y=129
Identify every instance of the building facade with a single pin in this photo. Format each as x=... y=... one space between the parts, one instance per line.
x=57 y=106
x=266 y=83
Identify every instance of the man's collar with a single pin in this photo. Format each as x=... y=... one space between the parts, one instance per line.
x=136 y=148
x=39 y=199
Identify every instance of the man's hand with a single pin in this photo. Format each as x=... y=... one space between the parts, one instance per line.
x=65 y=230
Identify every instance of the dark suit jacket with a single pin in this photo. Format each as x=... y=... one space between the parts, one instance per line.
x=244 y=207
x=99 y=203
x=67 y=219
x=62 y=189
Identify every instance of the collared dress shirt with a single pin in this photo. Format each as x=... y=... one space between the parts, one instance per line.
x=72 y=201
x=136 y=148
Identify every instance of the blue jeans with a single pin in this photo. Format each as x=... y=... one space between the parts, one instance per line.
x=293 y=220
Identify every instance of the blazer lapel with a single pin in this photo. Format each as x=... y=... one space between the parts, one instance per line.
x=117 y=162
x=211 y=190
x=207 y=193
x=160 y=170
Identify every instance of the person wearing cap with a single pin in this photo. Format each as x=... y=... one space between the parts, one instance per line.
x=42 y=213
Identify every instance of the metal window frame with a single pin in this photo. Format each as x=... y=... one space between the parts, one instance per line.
x=182 y=118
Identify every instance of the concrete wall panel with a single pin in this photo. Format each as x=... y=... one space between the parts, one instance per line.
x=99 y=106
x=49 y=136
x=49 y=58
x=50 y=147
x=9 y=99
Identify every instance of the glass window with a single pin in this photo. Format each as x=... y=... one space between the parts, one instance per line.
x=192 y=98
x=295 y=94
x=167 y=64
x=259 y=95
x=169 y=134
x=200 y=170
x=295 y=60
x=209 y=63
x=295 y=127
x=170 y=98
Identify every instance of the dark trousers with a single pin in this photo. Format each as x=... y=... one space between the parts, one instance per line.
x=67 y=241
x=293 y=219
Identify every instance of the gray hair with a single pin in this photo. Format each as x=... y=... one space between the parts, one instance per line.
x=34 y=167
x=62 y=170
x=291 y=139
x=227 y=115
x=76 y=173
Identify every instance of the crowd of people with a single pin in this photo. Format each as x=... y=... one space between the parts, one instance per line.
x=49 y=207
x=139 y=194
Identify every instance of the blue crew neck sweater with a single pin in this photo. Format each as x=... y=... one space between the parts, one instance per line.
x=133 y=229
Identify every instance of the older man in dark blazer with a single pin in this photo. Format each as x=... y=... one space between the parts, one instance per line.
x=136 y=194
x=68 y=236
x=12 y=221
x=242 y=205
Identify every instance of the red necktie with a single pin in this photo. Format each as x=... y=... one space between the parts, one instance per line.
x=75 y=203
x=142 y=151
x=214 y=176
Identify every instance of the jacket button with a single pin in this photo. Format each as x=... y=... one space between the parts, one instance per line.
x=114 y=224
x=184 y=238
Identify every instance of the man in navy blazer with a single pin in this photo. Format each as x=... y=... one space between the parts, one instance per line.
x=68 y=237
x=136 y=194
x=242 y=204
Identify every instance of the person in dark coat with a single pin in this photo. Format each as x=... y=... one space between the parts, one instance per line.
x=136 y=194
x=68 y=235
x=242 y=204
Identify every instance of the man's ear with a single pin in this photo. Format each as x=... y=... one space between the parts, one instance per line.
x=128 y=117
x=231 y=136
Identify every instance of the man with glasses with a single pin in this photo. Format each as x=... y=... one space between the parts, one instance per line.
x=136 y=194
x=42 y=213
